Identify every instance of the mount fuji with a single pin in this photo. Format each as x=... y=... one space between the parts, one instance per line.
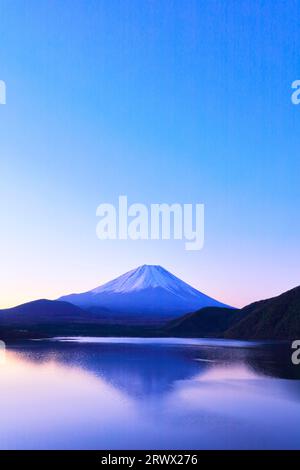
x=148 y=294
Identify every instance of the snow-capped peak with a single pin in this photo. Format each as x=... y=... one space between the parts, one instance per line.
x=143 y=277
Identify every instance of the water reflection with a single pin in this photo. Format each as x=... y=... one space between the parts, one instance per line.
x=143 y=394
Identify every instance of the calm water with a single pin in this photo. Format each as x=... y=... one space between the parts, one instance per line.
x=149 y=394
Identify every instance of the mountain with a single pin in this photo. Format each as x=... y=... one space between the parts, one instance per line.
x=275 y=318
x=146 y=294
x=209 y=322
x=43 y=317
x=41 y=311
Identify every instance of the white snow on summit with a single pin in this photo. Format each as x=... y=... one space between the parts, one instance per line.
x=145 y=277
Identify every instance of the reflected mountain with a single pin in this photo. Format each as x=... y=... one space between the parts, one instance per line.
x=134 y=393
x=148 y=369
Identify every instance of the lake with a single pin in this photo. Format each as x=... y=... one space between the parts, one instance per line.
x=129 y=393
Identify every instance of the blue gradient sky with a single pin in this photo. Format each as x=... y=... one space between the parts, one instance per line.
x=162 y=100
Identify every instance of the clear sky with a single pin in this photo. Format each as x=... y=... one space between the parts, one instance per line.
x=161 y=100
